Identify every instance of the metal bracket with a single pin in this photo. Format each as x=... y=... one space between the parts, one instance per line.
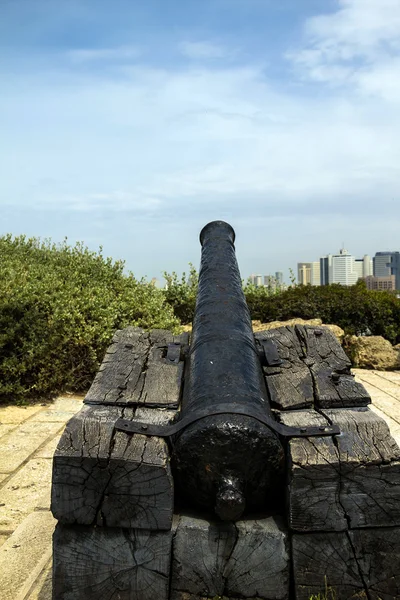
x=173 y=353
x=270 y=353
x=171 y=429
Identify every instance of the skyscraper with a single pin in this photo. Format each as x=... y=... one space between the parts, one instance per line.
x=304 y=273
x=343 y=268
x=382 y=264
x=386 y=264
x=308 y=273
x=395 y=267
x=256 y=280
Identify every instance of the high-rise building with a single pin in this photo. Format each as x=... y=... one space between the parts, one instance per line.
x=315 y=273
x=380 y=283
x=368 y=268
x=363 y=266
x=256 y=280
x=386 y=264
x=304 y=273
x=382 y=264
x=325 y=264
x=279 y=278
x=343 y=268
x=309 y=273
x=395 y=267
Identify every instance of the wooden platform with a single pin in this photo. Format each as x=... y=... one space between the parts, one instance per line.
x=113 y=492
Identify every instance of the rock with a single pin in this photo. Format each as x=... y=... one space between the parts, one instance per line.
x=258 y=326
x=373 y=352
x=337 y=331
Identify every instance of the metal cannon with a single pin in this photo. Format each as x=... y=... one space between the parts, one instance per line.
x=227 y=454
x=272 y=425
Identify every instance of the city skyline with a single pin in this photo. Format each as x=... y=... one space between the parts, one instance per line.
x=312 y=272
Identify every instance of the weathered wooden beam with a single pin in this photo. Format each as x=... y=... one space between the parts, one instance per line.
x=107 y=477
x=136 y=371
x=289 y=385
x=357 y=564
x=334 y=386
x=246 y=559
x=377 y=552
x=369 y=468
x=313 y=473
x=322 y=560
x=351 y=480
x=93 y=563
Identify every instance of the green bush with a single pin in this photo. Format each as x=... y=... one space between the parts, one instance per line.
x=59 y=307
x=180 y=293
x=354 y=308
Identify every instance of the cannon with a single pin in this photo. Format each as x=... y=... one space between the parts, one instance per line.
x=227 y=464
x=227 y=454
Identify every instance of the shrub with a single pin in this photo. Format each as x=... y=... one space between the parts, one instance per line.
x=354 y=308
x=180 y=293
x=59 y=307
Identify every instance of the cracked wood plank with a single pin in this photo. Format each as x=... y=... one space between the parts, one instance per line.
x=248 y=559
x=107 y=477
x=369 y=468
x=313 y=477
x=378 y=555
x=93 y=563
x=326 y=357
x=289 y=385
x=326 y=558
x=135 y=370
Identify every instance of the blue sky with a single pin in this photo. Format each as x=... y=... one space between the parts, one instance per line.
x=131 y=124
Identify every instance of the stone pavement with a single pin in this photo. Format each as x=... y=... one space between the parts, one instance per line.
x=28 y=438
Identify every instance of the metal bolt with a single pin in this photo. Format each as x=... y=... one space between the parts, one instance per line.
x=144 y=427
x=335 y=377
x=318 y=332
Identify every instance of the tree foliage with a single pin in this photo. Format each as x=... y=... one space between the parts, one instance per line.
x=181 y=292
x=354 y=308
x=59 y=307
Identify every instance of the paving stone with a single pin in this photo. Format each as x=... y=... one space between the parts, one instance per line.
x=18 y=414
x=394 y=426
x=381 y=383
x=61 y=410
x=3 y=537
x=6 y=428
x=48 y=450
x=393 y=376
x=18 y=445
x=43 y=586
x=3 y=476
x=24 y=491
x=24 y=555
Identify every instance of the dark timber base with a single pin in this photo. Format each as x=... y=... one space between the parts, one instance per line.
x=113 y=493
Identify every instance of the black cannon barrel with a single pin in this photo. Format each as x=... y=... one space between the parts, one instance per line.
x=225 y=461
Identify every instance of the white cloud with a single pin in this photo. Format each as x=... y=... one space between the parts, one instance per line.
x=358 y=45
x=120 y=53
x=198 y=138
x=203 y=50
x=114 y=201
